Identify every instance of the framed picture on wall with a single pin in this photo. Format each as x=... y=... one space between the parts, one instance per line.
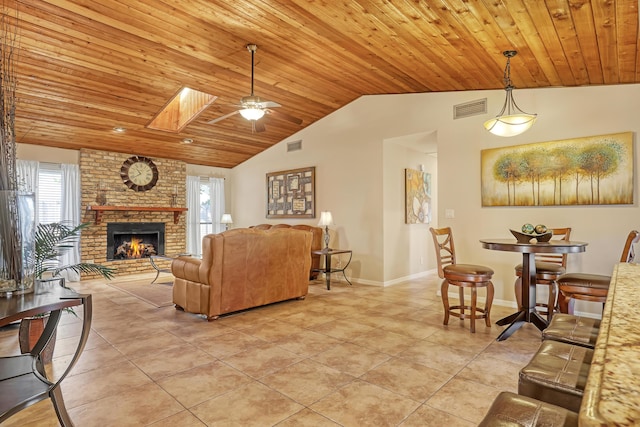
x=592 y=170
x=291 y=193
x=417 y=197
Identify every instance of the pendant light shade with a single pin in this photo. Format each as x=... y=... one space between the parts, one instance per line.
x=511 y=120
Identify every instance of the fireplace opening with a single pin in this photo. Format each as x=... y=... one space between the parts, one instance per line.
x=133 y=240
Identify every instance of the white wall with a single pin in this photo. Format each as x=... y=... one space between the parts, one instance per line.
x=408 y=248
x=47 y=154
x=347 y=149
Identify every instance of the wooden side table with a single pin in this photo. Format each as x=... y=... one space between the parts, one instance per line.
x=327 y=270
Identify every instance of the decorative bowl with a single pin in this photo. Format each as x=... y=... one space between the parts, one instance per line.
x=527 y=237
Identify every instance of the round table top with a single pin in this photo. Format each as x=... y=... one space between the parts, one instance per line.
x=550 y=247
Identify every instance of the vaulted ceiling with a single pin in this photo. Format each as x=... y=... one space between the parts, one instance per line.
x=87 y=66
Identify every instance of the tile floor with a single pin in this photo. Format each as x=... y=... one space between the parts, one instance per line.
x=352 y=356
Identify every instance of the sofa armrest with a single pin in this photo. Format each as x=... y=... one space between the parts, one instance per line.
x=188 y=268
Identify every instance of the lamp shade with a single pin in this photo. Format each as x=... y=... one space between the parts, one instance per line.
x=226 y=219
x=326 y=219
x=512 y=125
x=252 y=113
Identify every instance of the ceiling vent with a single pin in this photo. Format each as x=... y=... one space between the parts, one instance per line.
x=294 y=145
x=469 y=109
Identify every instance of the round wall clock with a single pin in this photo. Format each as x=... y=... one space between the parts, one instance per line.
x=139 y=173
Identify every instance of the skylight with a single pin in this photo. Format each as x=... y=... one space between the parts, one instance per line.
x=181 y=110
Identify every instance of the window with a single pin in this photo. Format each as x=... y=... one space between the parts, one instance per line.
x=49 y=193
x=206 y=222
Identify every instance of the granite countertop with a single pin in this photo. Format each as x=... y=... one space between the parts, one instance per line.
x=612 y=393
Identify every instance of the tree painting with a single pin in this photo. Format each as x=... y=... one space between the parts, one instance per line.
x=594 y=170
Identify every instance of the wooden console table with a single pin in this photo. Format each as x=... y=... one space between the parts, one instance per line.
x=100 y=209
x=23 y=380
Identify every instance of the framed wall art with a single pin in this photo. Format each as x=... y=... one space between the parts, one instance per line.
x=291 y=193
x=593 y=170
x=417 y=197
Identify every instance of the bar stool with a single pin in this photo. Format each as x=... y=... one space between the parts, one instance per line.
x=549 y=267
x=510 y=409
x=572 y=330
x=557 y=374
x=464 y=276
x=590 y=287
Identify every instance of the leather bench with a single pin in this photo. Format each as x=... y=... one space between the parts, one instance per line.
x=557 y=374
x=572 y=330
x=510 y=409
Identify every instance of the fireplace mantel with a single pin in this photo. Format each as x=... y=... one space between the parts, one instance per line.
x=100 y=209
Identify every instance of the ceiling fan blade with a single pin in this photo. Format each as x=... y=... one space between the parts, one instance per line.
x=216 y=120
x=270 y=104
x=285 y=116
x=258 y=126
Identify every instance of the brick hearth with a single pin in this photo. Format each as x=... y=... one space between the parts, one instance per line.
x=101 y=169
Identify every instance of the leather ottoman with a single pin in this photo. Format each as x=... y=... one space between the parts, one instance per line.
x=572 y=330
x=557 y=374
x=510 y=409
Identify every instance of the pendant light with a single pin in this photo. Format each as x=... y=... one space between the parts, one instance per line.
x=511 y=120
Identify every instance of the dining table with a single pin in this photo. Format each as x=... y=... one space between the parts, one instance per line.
x=528 y=313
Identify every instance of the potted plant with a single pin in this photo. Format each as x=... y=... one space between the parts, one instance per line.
x=52 y=241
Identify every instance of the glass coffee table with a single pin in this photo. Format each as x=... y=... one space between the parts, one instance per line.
x=328 y=269
x=167 y=257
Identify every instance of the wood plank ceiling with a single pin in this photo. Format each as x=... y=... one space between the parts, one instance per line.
x=87 y=66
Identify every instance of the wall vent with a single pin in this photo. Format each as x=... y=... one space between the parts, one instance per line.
x=294 y=145
x=468 y=109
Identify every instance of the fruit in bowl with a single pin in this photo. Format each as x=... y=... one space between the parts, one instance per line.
x=541 y=229
x=528 y=229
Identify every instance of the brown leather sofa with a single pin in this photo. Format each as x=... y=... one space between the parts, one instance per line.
x=243 y=268
x=316 y=243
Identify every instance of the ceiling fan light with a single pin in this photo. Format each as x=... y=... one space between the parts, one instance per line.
x=252 y=113
x=512 y=125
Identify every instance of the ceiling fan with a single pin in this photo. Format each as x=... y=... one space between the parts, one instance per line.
x=253 y=108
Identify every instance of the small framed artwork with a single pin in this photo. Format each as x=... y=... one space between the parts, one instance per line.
x=417 y=197
x=275 y=190
x=291 y=193
x=294 y=182
x=299 y=205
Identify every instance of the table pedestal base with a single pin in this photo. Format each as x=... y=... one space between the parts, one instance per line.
x=519 y=318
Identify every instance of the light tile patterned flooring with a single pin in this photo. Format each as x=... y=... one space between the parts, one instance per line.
x=352 y=356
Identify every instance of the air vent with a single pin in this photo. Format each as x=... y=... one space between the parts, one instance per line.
x=469 y=109
x=294 y=146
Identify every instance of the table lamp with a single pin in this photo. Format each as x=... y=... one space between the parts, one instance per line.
x=325 y=221
x=226 y=220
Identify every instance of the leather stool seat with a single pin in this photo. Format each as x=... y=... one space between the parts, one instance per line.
x=557 y=374
x=544 y=268
x=468 y=273
x=573 y=330
x=510 y=409
x=585 y=280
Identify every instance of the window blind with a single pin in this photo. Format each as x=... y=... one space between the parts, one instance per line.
x=49 y=193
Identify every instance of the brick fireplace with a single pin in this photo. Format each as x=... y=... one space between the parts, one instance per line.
x=102 y=185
